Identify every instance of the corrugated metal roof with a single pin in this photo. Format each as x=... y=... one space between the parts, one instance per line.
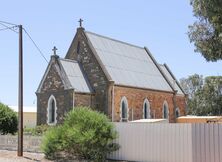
x=128 y=64
x=171 y=79
x=75 y=75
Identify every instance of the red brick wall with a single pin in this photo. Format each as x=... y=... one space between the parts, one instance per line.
x=136 y=97
x=82 y=99
x=181 y=104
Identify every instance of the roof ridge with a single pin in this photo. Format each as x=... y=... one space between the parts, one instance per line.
x=106 y=37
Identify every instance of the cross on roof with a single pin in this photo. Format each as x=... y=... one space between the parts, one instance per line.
x=80 y=22
x=54 y=50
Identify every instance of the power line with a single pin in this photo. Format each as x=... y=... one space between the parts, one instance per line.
x=35 y=45
x=6 y=28
x=11 y=28
x=4 y=22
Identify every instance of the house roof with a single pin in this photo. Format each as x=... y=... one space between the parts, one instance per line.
x=75 y=75
x=128 y=64
x=172 y=79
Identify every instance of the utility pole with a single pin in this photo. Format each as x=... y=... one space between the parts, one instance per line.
x=20 y=97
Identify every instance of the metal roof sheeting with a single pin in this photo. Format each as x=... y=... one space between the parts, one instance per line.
x=171 y=79
x=128 y=64
x=75 y=75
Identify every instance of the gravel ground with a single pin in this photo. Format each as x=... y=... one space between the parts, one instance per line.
x=11 y=156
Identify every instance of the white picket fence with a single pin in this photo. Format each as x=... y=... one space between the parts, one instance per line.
x=145 y=142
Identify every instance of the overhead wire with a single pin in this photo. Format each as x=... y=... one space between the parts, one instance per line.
x=12 y=28
x=4 y=22
x=35 y=45
x=6 y=28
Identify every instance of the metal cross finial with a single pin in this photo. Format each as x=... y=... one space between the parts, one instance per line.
x=54 y=50
x=80 y=22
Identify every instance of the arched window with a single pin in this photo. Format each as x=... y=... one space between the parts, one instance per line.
x=177 y=112
x=124 y=110
x=146 y=109
x=165 y=110
x=51 y=111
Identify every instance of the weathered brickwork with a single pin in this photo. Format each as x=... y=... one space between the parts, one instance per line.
x=82 y=99
x=181 y=104
x=92 y=69
x=136 y=97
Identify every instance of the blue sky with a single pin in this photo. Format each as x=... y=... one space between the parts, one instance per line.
x=159 y=25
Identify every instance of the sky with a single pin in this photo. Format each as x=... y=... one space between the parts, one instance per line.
x=159 y=25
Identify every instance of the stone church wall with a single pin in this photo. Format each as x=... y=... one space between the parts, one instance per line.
x=64 y=103
x=80 y=50
x=53 y=85
x=136 y=97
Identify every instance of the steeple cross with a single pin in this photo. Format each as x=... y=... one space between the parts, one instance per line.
x=80 y=22
x=54 y=50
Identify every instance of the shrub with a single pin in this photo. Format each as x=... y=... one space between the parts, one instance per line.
x=52 y=142
x=85 y=134
x=8 y=120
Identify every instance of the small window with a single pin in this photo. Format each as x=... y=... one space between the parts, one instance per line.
x=146 y=109
x=177 y=112
x=51 y=111
x=124 y=110
x=78 y=47
x=165 y=110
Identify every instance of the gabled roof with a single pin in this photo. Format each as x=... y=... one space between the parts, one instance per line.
x=75 y=75
x=175 y=84
x=128 y=64
x=71 y=74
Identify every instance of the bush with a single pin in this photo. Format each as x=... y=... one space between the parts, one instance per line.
x=8 y=120
x=85 y=134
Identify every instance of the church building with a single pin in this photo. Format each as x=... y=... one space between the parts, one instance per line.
x=122 y=80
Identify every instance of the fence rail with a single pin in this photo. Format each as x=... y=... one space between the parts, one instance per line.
x=169 y=142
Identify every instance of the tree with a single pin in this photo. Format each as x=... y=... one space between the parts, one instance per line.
x=85 y=134
x=8 y=120
x=212 y=95
x=192 y=84
x=205 y=95
x=206 y=33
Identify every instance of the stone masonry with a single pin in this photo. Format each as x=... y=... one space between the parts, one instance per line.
x=93 y=71
x=106 y=95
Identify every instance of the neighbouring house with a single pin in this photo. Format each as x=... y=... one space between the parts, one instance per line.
x=120 y=79
x=29 y=115
x=199 y=119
